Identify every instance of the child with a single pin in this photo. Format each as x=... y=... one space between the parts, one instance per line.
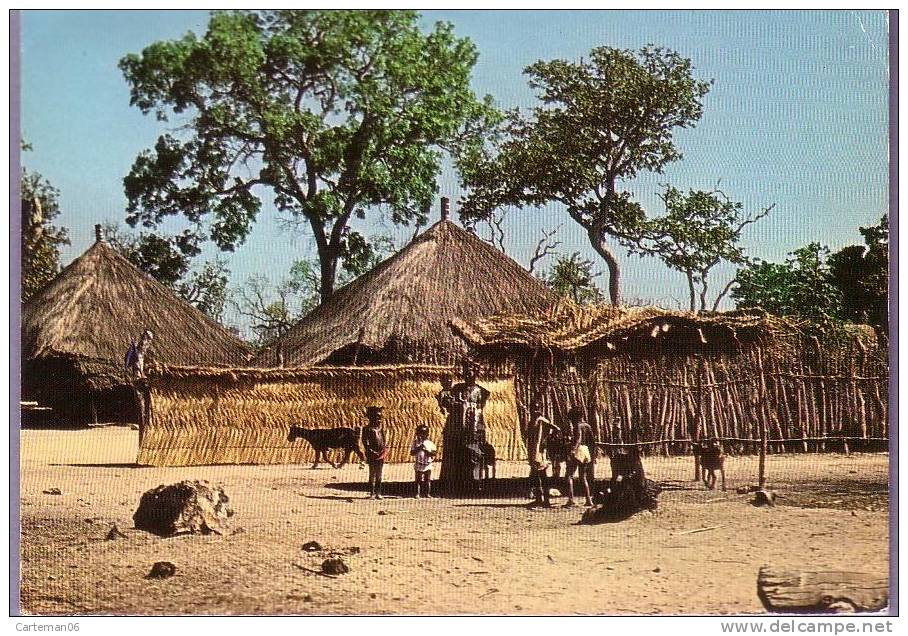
x=376 y=447
x=537 y=439
x=445 y=397
x=424 y=452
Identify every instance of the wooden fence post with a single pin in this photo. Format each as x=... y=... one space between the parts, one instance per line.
x=763 y=441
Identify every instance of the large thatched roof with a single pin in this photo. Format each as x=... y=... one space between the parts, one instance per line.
x=567 y=327
x=100 y=303
x=400 y=311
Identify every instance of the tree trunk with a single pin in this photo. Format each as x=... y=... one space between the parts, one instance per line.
x=692 y=290
x=614 y=269
x=328 y=268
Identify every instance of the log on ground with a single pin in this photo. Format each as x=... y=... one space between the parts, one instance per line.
x=834 y=592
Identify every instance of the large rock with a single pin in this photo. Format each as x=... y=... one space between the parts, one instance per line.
x=188 y=507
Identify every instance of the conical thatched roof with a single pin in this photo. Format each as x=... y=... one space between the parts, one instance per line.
x=401 y=310
x=101 y=302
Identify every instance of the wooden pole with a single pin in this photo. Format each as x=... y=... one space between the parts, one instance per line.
x=697 y=413
x=763 y=441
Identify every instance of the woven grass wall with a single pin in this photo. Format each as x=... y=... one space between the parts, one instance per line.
x=242 y=416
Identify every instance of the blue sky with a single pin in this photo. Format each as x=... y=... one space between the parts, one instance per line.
x=798 y=117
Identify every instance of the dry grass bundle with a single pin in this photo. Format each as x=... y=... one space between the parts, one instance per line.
x=100 y=302
x=242 y=416
x=400 y=311
x=568 y=327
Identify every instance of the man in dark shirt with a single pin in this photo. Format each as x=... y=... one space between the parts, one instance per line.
x=376 y=446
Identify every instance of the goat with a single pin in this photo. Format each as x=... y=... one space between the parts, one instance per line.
x=712 y=458
x=323 y=439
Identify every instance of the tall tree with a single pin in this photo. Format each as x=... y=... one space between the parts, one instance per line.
x=41 y=240
x=698 y=231
x=601 y=122
x=861 y=274
x=332 y=111
x=573 y=277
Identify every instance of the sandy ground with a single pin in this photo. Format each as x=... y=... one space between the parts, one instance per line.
x=440 y=556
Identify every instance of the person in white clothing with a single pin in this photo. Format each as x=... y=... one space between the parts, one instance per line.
x=423 y=451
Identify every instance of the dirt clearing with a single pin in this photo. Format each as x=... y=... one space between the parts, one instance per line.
x=441 y=556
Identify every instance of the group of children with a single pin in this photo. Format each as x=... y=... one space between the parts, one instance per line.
x=548 y=444
x=546 y=441
x=375 y=445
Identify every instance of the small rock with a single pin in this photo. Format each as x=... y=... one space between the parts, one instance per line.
x=114 y=533
x=53 y=491
x=382 y=513
x=312 y=546
x=334 y=566
x=354 y=549
x=373 y=595
x=239 y=531
x=657 y=569
x=133 y=427
x=308 y=598
x=162 y=570
x=554 y=492
x=854 y=513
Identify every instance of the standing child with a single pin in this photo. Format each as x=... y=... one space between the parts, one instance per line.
x=376 y=446
x=537 y=439
x=423 y=451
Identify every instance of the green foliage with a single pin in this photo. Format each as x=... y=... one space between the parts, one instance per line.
x=332 y=111
x=206 y=288
x=600 y=122
x=364 y=254
x=801 y=287
x=168 y=259
x=41 y=241
x=698 y=231
x=861 y=274
x=572 y=277
x=851 y=285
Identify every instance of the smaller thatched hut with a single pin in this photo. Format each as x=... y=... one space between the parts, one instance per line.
x=75 y=333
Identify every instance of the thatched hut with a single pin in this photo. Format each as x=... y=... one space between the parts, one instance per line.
x=77 y=329
x=383 y=339
x=661 y=378
x=399 y=312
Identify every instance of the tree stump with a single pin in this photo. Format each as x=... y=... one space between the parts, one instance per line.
x=833 y=592
x=188 y=507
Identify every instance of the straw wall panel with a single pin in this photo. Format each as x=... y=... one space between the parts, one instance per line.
x=238 y=416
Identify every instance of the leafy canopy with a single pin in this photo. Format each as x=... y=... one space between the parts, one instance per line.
x=850 y=285
x=332 y=111
x=698 y=231
x=861 y=273
x=600 y=122
x=800 y=287
x=573 y=277
x=41 y=240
